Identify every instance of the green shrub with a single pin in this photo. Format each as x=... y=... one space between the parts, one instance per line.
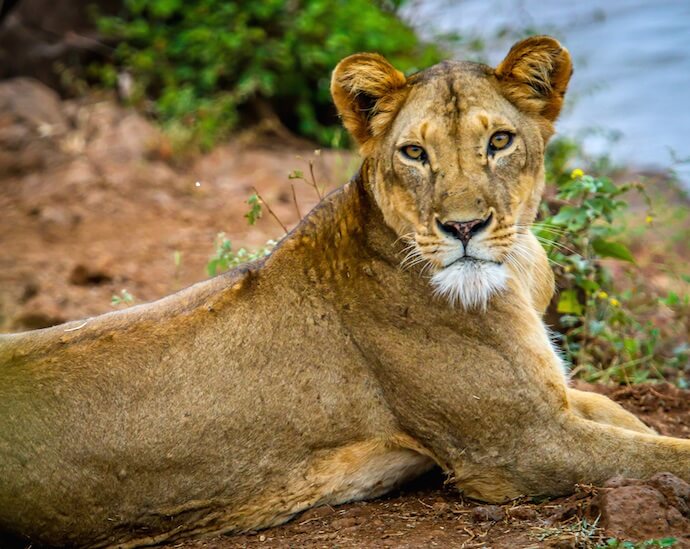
x=208 y=64
x=606 y=332
x=225 y=257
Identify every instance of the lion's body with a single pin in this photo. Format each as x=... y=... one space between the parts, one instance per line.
x=183 y=409
x=322 y=374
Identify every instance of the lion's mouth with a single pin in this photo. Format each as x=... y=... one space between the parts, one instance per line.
x=470 y=259
x=470 y=282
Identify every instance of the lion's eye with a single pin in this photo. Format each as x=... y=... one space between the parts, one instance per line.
x=500 y=141
x=414 y=152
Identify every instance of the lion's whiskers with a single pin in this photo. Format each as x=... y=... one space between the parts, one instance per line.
x=557 y=245
x=547 y=241
x=511 y=258
x=527 y=254
x=555 y=229
x=412 y=257
x=407 y=238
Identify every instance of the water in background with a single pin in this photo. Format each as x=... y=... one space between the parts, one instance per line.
x=632 y=66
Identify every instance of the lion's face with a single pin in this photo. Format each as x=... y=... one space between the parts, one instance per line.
x=458 y=155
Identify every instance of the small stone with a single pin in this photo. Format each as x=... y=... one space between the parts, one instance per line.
x=645 y=509
x=486 y=513
x=522 y=513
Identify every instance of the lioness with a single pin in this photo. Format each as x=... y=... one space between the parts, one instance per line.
x=328 y=372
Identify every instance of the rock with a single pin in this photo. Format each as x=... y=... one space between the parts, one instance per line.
x=522 y=512
x=640 y=510
x=34 y=103
x=485 y=513
x=675 y=490
x=57 y=216
x=31 y=126
x=117 y=135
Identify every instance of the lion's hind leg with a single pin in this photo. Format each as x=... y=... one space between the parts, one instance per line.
x=602 y=409
x=361 y=470
x=368 y=469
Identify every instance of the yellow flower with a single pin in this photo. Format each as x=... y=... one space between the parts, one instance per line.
x=614 y=302
x=648 y=220
x=577 y=172
x=602 y=295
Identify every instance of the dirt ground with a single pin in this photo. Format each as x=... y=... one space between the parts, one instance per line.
x=90 y=204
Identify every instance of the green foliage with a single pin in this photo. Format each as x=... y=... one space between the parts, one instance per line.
x=226 y=258
x=606 y=333
x=254 y=212
x=579 y=533
x=123 y=298
x=204 y=64
x=613 y=543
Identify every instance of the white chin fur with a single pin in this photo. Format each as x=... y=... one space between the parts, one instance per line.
x=470 y=283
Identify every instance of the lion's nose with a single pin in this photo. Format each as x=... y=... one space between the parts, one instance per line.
x=464 y=230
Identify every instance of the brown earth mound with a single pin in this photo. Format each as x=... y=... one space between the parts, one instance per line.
x=90 y=204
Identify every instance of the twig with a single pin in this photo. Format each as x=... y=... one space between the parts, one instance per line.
x=425 y=504
x=294 y=200
x=313 y=180
x=472 y=535
x=270 y=211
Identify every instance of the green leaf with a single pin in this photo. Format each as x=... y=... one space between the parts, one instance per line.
x=671 y=300
x=212 y=267
x=616 y=250
x=254 y=212
x=590 y=285
x=569 y=304
x=564 y=215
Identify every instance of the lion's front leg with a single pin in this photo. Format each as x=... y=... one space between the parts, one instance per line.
x=602 y=409
x=572 y=450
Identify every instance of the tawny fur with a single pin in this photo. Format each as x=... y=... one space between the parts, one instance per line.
x=330 y=371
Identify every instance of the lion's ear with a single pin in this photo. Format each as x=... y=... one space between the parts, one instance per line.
x=535 y=74
x=367 y=91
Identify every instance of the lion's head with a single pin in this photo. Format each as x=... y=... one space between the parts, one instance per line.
x=457 y=153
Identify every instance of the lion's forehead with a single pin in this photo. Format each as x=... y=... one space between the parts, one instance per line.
x=450 y=71
x=456 y=99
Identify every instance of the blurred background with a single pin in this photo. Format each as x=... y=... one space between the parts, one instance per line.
x=222 y=62
x=147 y=145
